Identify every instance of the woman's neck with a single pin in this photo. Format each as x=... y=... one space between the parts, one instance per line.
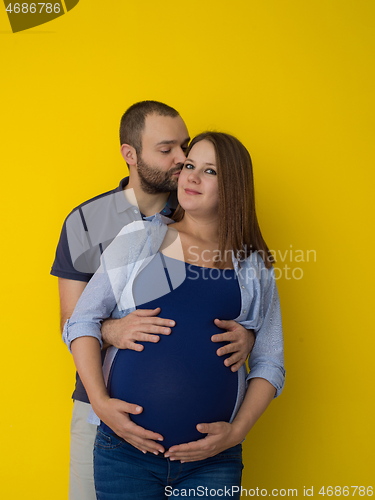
x=199 y=238
x=204 y=229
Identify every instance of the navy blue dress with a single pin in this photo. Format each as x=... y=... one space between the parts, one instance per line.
x=180 y=381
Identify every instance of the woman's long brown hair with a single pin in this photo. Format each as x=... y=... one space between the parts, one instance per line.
x=239 y=229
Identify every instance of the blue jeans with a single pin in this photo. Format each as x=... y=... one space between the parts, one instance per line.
x=124 y=473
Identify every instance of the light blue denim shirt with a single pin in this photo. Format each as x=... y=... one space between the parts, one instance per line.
x=109 y=294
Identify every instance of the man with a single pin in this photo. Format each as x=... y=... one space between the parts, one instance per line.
x=153 y=140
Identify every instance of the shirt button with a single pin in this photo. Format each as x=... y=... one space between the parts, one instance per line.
x=243 y=287
x=244 y=311
x=136 y=211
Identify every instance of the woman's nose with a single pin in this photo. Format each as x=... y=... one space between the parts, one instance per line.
x=194 y=177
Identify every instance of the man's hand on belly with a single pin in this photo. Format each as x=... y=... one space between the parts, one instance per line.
x=241 y=342
x=141 y=325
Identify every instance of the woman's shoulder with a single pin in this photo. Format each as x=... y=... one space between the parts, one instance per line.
x=257 y=258
x=256 y=263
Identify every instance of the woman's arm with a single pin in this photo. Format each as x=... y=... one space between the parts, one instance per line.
x=113 y=412
x=267 y=358
x=258 y=396
x=224 y=435
x=87 y=358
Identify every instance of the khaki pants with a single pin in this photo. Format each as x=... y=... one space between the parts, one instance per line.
x=82 y=437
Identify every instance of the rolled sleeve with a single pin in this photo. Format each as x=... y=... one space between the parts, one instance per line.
x=271 y=372
x=96 y=303
x=76 y=329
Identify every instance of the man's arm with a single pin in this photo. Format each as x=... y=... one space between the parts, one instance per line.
x=69 y=291
x=142 y=326
x=139 y=325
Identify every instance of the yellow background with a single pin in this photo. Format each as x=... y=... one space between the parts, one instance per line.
x=294 y=81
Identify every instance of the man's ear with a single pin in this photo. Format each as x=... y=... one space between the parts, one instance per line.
x=129 y=154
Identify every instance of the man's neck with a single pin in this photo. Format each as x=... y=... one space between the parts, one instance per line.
x=148 y=204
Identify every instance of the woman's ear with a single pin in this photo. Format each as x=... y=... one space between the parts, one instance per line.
x=129 y=154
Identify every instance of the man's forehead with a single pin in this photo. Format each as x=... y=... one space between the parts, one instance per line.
x=164 y=129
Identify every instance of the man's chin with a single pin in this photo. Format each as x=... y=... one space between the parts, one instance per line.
x=173 y=181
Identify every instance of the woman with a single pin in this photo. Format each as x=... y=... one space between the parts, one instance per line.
x=212 y=259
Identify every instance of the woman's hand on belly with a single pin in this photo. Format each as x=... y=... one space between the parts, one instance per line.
x=220 y=436
x=115 y=414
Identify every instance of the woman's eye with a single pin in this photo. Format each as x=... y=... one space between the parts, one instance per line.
x=188 y=166
x=211 y=171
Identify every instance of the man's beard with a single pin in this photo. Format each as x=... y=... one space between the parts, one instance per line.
x=154 y=181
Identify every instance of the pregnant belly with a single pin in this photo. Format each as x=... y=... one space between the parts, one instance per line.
x=179 y=381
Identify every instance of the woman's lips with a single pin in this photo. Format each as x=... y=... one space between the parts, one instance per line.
x=191 y=191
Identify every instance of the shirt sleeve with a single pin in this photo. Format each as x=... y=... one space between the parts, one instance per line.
x=94 y=305
x=267 y=357
x=110 y=283
x=63 y=266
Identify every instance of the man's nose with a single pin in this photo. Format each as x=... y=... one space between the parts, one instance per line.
x=180 y=156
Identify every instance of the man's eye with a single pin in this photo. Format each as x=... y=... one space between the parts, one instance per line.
x=165 y=151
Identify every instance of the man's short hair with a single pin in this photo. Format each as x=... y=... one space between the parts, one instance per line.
x=133 y=121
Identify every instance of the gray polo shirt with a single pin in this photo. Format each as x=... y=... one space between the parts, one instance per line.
x=86 y=233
